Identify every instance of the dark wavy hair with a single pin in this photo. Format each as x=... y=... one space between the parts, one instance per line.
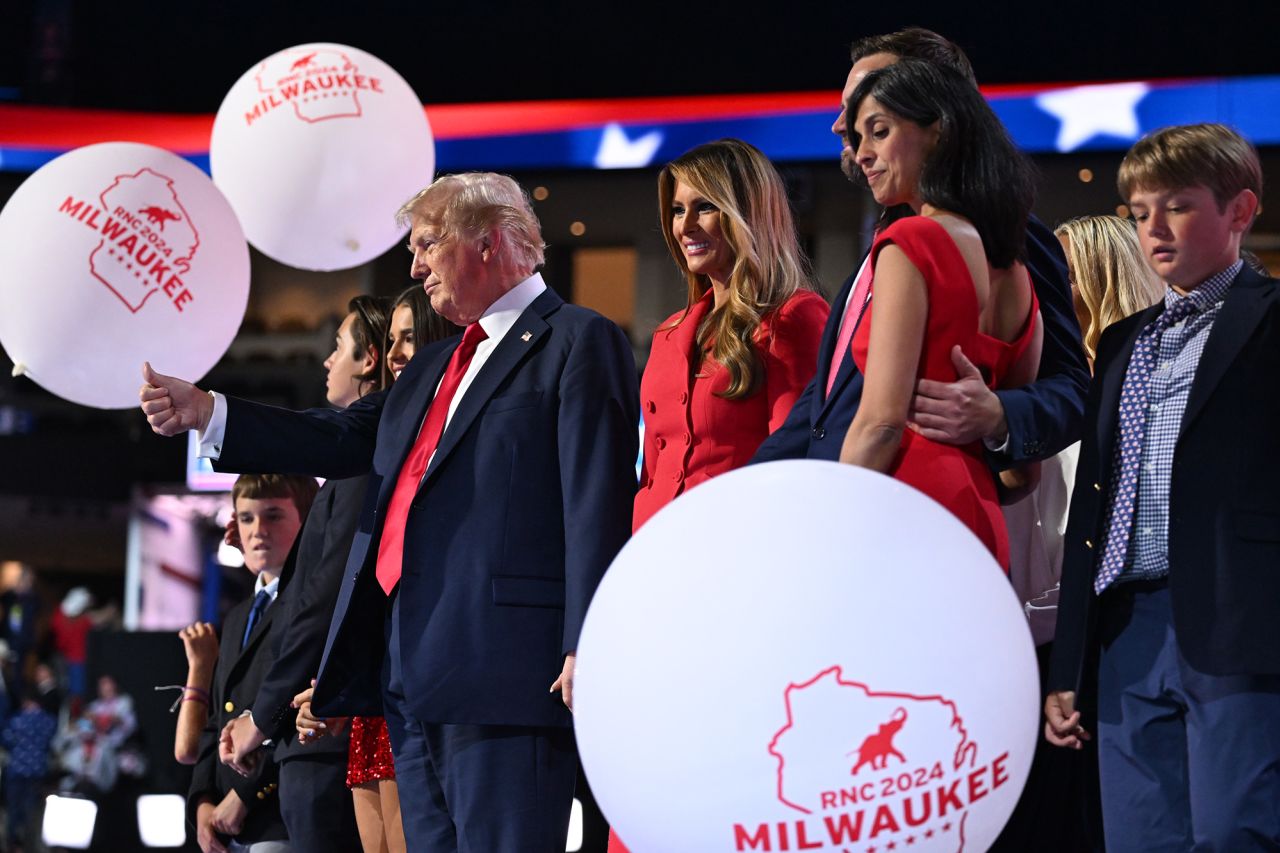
x=974 y=169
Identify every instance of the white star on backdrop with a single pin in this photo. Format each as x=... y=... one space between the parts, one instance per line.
x=1086 y=111
x=618 y=151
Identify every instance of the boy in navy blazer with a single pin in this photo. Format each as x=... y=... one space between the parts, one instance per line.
x=1170 y=577
x=223 y=805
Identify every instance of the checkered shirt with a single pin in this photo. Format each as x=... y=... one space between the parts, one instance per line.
x=1177 y=358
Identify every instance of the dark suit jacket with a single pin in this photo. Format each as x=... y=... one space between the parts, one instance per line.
x=1224 y=502
x=1043 y=417
x=236 y=678
x=524 y=505
x=307 y=604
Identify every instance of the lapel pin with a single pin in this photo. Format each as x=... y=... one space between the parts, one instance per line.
x=526 y=336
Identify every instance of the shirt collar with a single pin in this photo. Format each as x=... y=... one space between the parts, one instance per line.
x=259 y=585
x=499 y=317
x=1209 y=293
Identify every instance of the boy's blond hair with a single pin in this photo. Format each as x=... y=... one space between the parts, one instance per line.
x=1208 y=155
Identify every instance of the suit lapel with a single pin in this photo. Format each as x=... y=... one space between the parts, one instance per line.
x=678 y=357
x=519 y=341
x=1112 y=379
x=830 y=337
x=1239 y=316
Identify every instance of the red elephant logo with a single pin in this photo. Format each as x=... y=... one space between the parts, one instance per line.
x=876 y=748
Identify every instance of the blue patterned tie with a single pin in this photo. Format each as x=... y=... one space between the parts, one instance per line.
x=260 y=602
x=1133 y=427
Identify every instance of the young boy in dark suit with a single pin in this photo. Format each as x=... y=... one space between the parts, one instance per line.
x=233 y=812
x=1172 y=569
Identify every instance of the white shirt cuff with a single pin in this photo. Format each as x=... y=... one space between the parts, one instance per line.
x=211 y=438
x=1002 y=447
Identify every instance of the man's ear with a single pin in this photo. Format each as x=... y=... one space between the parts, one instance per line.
x=370 y=359
x=1243 y=208
x=490 y=242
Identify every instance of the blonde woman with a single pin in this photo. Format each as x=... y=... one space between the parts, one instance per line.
x=725 y=370
x=1109 y=277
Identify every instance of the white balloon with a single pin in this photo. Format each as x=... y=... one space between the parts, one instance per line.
x=316 y=147
x=114 y=254
x=806 y=656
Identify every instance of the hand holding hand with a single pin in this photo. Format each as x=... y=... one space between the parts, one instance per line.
x=1062 y=721
x=173 y=405
x=206 y=834
x=565 y=682
x=311 y=727
x=238 y=744
x=959 y=412
x=228 y=817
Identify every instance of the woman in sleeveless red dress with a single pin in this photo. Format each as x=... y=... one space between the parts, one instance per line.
x=947 y=277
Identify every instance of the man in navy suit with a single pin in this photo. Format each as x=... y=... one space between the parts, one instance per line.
x=1017 y=425
x=502 y=476
x=1171 y=567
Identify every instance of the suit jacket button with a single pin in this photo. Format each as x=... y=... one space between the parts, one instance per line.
x=261 y=796
x=679 y=476
x=660 y=442
x=687 y=439
x=650 y=407
x=1088 y=543
x=819 y=433
x=229 y=707
x=1097 y=487
x=684 y=397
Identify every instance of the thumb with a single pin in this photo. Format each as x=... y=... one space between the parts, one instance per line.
x=965 y=369
x=149 y=376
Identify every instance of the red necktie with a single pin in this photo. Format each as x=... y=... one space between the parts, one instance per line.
x=391 y=546
x=850 y=322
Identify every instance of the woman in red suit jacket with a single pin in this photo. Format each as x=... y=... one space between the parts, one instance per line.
x=724 y=371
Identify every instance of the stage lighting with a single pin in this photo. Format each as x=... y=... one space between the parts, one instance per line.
x=574 y=843
x=162 y=820
x=68 y=822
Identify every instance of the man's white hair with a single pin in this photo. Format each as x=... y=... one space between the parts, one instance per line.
x=472 y=203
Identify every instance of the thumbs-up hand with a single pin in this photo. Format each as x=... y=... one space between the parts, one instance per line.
x=173 y=405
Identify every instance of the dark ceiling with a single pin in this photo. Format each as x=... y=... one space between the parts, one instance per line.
x=182 y=56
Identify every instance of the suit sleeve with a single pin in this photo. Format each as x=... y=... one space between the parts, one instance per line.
x=310 y=599
x=263 y=779
x=1046 y=416
x=598 y=439
x=792 y=352
x=317 y=442
x=791 y=439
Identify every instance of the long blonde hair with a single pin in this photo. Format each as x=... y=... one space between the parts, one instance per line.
x=1109 y=272
x=768 y=265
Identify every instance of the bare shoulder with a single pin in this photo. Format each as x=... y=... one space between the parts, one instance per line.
x=961 y=231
